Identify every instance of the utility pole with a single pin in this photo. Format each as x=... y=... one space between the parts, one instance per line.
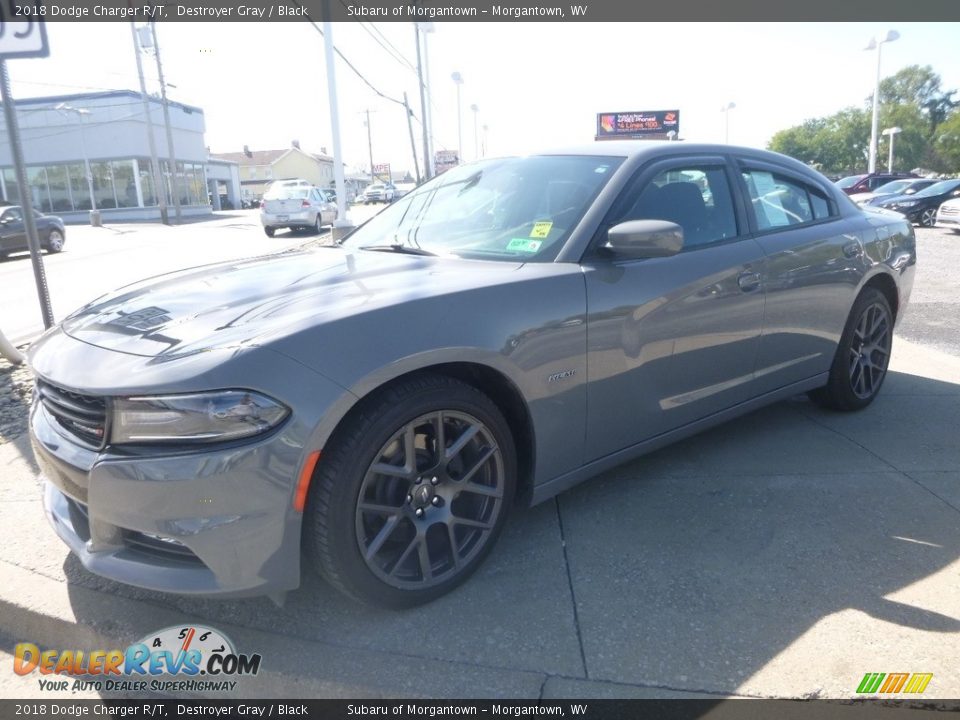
x=413 y=146
x=423 y=106
x=370 y=146
x=427 y=28
x=174 y=181
x=342 y=224
x=159 y=189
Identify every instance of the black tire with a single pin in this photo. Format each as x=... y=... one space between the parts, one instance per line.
x=424 y=546
x=269 y=231
x=928 y=218
x=318 y=225
x=856 y=374
x=54 y=242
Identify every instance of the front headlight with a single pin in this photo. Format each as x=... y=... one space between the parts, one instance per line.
x=907 y=203
x=196 y=418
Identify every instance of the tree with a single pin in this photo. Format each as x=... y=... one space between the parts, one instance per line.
x=835 y=145
x=947 y=143
x=920 y=87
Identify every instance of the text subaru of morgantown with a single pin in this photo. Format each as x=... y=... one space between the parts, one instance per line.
x=496 y=336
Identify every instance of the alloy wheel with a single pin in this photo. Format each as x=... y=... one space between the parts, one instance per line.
x=928 y=218
x=870 y=351
x=55 y=241
x=430 y=500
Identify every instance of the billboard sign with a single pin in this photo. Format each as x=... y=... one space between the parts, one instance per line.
x=381 y=171
x=637 y=125
x=443 y=160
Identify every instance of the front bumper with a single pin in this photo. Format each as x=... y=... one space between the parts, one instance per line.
x=211 y=522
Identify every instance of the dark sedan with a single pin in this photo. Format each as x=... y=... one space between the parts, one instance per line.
x=921 y=208
x=498 y=335
x=13 y=231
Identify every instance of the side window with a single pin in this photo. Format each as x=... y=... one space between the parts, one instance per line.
x=696 y=198
x=779 y=201
x=13 y=215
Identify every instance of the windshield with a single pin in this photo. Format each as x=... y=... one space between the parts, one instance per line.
x=849 y=181
x=286 y=193
x=893 y=187
x=939 y=188
x=506 y=209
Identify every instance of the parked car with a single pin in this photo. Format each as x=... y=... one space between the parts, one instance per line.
x=868 y=182
x=404 y=188
x=379 y=192
x=500 y=334
x=296 y=207
x=906 y=186
x=921 y=208
x=948 y=216
x=13 y=231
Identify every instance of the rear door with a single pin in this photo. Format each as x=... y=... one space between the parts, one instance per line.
x=671 y=340
x=814 y=263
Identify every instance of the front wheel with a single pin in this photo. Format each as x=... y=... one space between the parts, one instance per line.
x=412 y=493
x=269 y=231
x=860 y=365
x=928 y=218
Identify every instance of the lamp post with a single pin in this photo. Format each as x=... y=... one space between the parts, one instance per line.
x=64 y=108
x=483 y=146
x=891 y=133
x=726 y=120
x=476 y=134
x=875 y=44
x=458 y=81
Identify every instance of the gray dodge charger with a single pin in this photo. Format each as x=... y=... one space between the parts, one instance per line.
x=498 y=335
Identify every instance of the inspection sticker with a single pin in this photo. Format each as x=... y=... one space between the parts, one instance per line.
x=524 y=245
x=541 y=229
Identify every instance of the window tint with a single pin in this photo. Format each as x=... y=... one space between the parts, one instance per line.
x=780 y=202
x=13 y=215
x=695 y=198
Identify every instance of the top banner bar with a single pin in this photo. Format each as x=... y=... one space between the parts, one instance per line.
x=479 y=10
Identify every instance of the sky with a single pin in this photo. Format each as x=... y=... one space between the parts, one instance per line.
x=536 y=85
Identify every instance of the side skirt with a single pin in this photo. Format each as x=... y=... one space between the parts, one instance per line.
x=555 y=486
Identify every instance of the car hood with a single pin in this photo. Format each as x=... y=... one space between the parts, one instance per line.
x=243 y=303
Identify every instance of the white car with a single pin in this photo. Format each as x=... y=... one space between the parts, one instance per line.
x=296 y=207
x=380 y=192
x=948 y=216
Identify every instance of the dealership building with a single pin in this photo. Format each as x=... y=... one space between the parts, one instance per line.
x=62 y=135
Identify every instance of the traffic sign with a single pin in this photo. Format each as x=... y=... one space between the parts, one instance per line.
x=23 y=33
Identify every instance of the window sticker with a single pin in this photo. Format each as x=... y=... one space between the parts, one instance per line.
x=541 y=229
x=524 y=245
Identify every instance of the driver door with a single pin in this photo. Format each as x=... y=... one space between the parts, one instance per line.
x=674 y=339
x=13 y=234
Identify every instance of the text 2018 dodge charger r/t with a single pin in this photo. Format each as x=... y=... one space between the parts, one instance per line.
x=498 y=335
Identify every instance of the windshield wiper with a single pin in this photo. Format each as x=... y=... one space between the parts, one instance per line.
x=398 y=248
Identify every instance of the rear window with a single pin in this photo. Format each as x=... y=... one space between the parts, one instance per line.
x=286 y=193
x=850 y=181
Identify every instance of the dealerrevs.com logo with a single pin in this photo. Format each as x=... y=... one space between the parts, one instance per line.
x=175 y=659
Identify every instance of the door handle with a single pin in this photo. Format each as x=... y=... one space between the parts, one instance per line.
x=852 y=249
x=748 y=281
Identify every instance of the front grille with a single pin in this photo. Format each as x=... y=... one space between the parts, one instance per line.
x=83 y=416
x=949 y=210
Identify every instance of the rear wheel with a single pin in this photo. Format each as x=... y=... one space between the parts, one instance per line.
x=860 y=365
x=412 y=493
x=318 y=225
x=928 y=218
x=54 y=241
x=269 y=231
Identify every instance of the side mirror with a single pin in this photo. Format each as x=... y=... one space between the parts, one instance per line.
x=645 y=239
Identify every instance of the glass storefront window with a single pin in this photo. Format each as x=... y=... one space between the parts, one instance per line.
x=103 y=185
x=59 y=184
x=123 y=183
x=146 y=182
x=10 y=180
x=39 y=192
x=78 y=186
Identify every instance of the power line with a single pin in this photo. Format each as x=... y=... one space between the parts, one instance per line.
x=386 y=44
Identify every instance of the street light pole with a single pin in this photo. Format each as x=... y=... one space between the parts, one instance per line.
x=726 y=116
x=64 y=108
x=370 y=147
x=891 y=133
x=423 y=106
x=875 y=44
x=458 y=81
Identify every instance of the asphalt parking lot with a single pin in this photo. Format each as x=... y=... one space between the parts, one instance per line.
x=784 y=554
